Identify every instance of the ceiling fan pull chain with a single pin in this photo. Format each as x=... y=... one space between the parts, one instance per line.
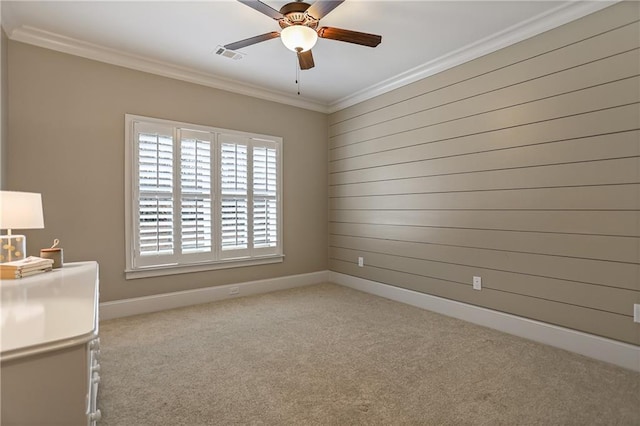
x=298 y=75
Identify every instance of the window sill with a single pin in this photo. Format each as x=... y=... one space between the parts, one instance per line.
x=158 y=271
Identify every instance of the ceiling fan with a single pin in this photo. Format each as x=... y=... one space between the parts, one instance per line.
x=299 y=23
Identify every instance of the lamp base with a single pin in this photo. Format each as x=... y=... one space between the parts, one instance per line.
x=12 y=247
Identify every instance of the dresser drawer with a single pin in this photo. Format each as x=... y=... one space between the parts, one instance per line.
x=46 y=389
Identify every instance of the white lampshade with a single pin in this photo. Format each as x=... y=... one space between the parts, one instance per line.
x=21 y=210
x=299 y=38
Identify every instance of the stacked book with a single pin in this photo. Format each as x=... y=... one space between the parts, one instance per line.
x=31 y=265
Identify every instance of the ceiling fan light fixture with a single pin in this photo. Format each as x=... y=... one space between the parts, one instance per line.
x=299 y=38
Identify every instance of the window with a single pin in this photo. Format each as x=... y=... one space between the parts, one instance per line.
x=199 y=198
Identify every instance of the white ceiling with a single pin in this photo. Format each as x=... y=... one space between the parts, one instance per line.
x=179 y=39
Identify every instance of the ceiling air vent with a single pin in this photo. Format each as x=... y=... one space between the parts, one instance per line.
x=228 y=53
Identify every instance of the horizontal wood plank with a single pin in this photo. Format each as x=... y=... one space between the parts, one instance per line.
x=607 y=274
x=602 y=172
x=616 y=223
x=618 y=145
x=611 y=248
x=601 y=197
x=466 y=140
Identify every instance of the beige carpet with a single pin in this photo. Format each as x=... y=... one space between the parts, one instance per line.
x=329 y=355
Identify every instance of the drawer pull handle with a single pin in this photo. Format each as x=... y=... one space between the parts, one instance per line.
x=95 y=416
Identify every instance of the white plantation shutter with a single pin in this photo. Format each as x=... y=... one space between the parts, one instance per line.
x=196 y=192
x=249 y=185
x=234 y=209
x=265 y=195
x=200 y=196
x=155 y=193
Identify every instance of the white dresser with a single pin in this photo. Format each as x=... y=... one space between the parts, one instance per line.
x=49 y=347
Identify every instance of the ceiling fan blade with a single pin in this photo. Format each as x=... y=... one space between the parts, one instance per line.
x=321 y=8
x=349 y=36
x=306 y=60
x=263 y=8
x=252 y=40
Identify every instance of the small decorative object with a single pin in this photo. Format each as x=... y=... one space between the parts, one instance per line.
x=18 y=210
x=54 y=253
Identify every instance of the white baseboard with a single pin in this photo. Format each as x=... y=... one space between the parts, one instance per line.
x=178 y=299
x=611 y=351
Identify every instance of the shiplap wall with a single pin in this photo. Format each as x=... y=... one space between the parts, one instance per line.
x=522 y=167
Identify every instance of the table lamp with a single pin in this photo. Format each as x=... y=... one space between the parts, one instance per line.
x=18 y=210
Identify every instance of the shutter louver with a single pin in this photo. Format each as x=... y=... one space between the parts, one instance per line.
x=156 y=225
x=196 y=224
x=155 y=200
x=235 y=230
x=265 y=223
x=234 y=169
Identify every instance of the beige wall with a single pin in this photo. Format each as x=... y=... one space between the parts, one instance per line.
x=3 y=106
x=66 y=140
x=522 y=167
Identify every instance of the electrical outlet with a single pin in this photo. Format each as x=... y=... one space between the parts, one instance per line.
x=636 y=312
x=234 y=290
x=361 y=262
x=477 y=283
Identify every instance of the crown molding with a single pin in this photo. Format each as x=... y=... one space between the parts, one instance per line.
x=49 y=40
x=553 y=18
x=556 y=17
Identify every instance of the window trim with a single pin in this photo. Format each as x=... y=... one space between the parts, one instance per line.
x=132 y=272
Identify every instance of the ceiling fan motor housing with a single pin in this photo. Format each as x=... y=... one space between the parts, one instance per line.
x=295 y=14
